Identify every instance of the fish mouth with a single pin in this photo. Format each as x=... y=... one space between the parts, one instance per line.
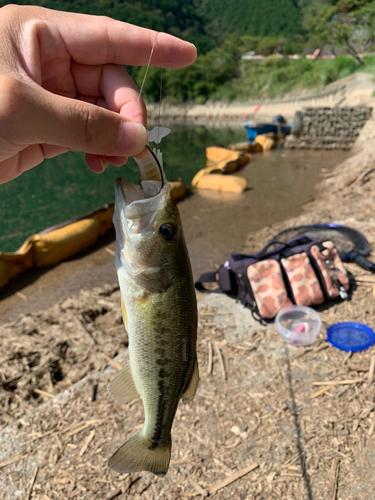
x=136 y=200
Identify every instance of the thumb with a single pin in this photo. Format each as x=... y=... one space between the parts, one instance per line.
x=32 y=115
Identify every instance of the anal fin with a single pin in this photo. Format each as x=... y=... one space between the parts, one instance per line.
x=122 y=388
x=191 y=389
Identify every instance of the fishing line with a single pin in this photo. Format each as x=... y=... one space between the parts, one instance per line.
x=160 y=92
x=148 y=66
x=159 y=166
x=159 y=117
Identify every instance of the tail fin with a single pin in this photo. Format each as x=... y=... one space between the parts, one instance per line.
x=139 y=454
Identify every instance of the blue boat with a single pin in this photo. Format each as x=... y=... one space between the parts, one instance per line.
x=257 y=128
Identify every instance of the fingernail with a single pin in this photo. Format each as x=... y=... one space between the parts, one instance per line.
x=131 y=138
x=104 y=163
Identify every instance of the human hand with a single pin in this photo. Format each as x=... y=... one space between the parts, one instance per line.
x=63 y=86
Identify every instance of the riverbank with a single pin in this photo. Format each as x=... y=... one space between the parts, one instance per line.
x=353 y=90
x=257 y=408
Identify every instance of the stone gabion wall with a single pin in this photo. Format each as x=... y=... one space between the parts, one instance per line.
x=329 y=128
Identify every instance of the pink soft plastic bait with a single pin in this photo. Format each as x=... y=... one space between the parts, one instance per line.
x=303 y=328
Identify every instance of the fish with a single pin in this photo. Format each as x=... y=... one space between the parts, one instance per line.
x=159 y=310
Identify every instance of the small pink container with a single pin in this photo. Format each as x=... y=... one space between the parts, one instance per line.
x=298 y=325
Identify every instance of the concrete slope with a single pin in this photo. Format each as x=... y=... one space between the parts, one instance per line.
x=349 y=91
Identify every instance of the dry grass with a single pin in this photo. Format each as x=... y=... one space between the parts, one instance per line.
x=264 y=415
x=46 y=352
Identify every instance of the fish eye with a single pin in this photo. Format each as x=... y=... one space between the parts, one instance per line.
x=168 y=231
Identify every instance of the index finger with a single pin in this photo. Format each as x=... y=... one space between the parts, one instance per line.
x=101 y=40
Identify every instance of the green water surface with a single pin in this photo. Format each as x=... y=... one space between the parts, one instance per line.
x=64 y=188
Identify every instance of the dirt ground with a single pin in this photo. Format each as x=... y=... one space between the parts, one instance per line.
x=269 y=420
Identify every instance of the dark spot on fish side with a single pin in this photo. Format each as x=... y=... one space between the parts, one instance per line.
x=163 y=373
x=162 y=361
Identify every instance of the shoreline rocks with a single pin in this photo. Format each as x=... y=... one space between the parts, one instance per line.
x=329 y=128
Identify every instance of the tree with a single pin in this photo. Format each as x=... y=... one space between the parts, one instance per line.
x=341 y=23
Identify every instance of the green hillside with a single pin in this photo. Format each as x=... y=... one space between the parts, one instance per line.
x=266 y=18
x=177 y=17
x=224 y=30
x=204 y=23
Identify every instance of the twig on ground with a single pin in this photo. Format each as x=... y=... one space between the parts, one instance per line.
x=334 y=474
x=76 y=428
x=89 y=438
x=230 y=479
x=209 y=368
x=198 y=488
x=31 y=485
x=12 y=460
x=340 y=382
x=110 y=251
x=112 y=362
x=370 y=378
x=321 y=391
x=221 y=361
x=114 y=494
x=82 y=327
x=22 y=296
x=44 y=393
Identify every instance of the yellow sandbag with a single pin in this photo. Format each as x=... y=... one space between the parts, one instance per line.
x=218 y=182
x=55 y=245
x=275 y=136
x=104 y=217
x=205 y=171
x=198 y=176
x=240 y=146
x=220 y=196
x=178 y=191
x=61 y=243
x=266 y=142
x=225 y=166
x=13 y=264
x=256 y=147
x=218 y=154
x=226 y=160
x=3 y=274
x=58 y=245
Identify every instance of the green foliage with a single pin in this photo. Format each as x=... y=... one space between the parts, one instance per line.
x=281 y=76
x=265 y=18
x=177 y=17
x=199 y=81
x=223 y=30
x=341 y=23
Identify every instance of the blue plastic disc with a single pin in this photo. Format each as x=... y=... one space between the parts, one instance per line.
x=351 y=336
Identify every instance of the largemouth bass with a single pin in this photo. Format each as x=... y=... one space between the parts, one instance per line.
x=160 y=314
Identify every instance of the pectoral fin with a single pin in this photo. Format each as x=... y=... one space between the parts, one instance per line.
x=191 y=389
x=122 y=388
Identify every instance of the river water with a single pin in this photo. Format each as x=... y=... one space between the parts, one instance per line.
x=280 y=182
x=215 y=223
x=63 y=188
